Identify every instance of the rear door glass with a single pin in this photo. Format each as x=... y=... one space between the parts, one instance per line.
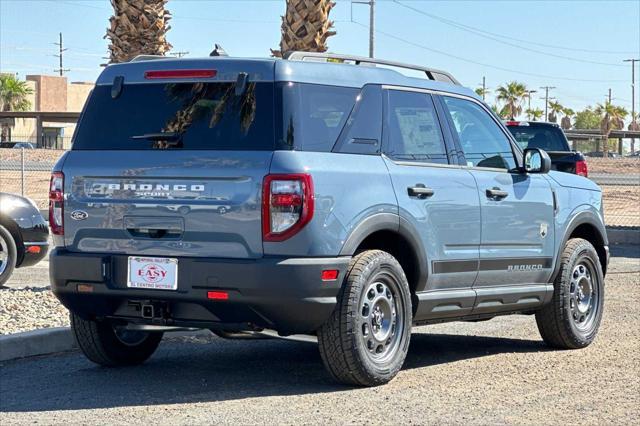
x=204 y=115
x=413 y=131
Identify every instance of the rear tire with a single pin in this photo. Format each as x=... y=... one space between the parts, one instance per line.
x=103 y=344
x=366 y=339
x=572 y=319
x=8 y=255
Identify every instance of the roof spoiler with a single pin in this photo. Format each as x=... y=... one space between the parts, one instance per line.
x=431 y=73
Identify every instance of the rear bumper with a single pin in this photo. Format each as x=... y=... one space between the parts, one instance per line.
x=284 y=294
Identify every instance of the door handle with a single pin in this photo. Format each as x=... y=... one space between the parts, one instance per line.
x=420 y=191
x=496 y=193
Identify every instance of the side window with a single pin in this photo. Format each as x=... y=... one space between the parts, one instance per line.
x=361 y=133
x=313 y=115
x=482 y=141
x=413 y=131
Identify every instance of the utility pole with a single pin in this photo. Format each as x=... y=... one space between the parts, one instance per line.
x=484 y=87
x=179 y=54
x=529 y=92
x=372 y=22
x=633 y=95
x=633 y=84
x=546 y=101
x=61 y=70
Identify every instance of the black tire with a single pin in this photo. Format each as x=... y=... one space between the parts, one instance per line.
x=348 y=340
x=101 y=344
x=8 y=255
x=570 y=320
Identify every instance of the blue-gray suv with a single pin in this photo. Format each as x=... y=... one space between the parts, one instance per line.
x=323 y=195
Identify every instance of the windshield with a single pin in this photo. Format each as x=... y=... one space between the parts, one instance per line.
x=193 y=116
x=549 y=138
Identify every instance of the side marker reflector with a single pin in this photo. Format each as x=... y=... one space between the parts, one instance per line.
x=329 y=275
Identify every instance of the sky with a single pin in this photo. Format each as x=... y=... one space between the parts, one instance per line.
x=577 y=46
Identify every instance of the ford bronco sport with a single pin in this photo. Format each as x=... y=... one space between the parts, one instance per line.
x=337 y=200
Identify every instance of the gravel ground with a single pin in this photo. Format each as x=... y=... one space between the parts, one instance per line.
x=494 y=372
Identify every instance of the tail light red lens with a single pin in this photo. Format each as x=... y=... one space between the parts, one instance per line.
x=287 y=205
x=582 y=169
x=175 y=74
x=56 y=203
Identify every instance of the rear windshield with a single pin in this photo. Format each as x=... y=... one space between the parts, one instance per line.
x=549 y=138
x=210 y=116
x=196 y=116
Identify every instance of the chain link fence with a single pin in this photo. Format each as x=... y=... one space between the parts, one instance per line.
x=27 y=172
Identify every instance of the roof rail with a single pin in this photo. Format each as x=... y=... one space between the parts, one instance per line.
x=432 y=74
x=147 y=58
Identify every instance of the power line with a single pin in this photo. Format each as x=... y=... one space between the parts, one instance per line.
x=478 y=30
x=460 y=58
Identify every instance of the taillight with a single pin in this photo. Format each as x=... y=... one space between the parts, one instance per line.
x=56 y=203
x=287 y=205
x=581 y=168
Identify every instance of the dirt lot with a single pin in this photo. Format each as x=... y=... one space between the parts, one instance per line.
x=614 y=165
x=495 y=372
x=621 y=205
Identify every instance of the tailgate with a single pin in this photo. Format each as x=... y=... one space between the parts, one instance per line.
x=165 y=203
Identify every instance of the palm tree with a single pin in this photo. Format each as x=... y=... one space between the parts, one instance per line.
x=305 y=26
x=482 y=92
x=554 y=109
x=13 y=97
x=511 y=95
x=612 y=119
x=534 y=114
x=566 y=120
x=138 y=27
x=634 y=126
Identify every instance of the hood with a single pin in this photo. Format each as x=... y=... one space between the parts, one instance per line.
x=570 y=180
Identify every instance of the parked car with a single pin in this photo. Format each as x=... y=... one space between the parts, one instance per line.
x=551 y=138
x=23 y=234
x=24 y=145
x=363 y=202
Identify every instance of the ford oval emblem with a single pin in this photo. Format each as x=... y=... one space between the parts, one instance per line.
x=79 y=215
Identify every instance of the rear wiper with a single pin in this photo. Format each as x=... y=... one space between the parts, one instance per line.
x=160 y=136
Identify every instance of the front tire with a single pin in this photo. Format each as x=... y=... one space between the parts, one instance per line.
x=8 y=255
x=110 y=346
x=572 y=319
x=366 y=339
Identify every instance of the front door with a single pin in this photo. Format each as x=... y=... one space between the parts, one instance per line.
x=517 y=210
x=437 y=200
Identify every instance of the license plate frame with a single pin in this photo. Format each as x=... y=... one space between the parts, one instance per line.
x=152 y=273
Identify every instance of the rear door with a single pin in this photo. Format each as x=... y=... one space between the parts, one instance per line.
x=170 y=169
x=437 y=199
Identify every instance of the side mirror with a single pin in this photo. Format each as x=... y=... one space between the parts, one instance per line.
x=536 y=160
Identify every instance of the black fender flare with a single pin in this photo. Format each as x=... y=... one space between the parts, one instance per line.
x=587 y=217
x=394 y=223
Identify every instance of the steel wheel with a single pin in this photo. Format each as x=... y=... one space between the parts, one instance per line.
x=381 y=317
x=4 y=254
x=583 y=294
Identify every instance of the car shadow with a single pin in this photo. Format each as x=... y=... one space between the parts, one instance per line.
x=218 y=370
